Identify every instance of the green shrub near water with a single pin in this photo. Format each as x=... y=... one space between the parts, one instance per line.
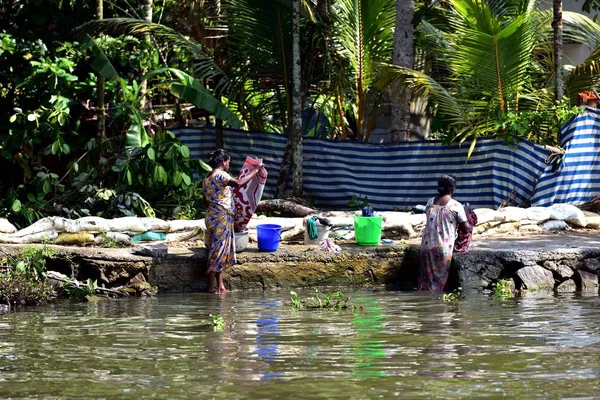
x=23 y=277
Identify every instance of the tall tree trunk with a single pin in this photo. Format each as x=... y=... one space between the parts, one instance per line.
x=403 y=56
x=292 y=158
x=557 y=24
x=147 y=13
x=100 y=106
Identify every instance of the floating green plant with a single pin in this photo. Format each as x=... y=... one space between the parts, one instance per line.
x=502 y=289
x=217 y=322
x=332 y=300
x=455 y=295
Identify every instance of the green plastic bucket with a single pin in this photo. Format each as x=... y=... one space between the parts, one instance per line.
x=367 y=230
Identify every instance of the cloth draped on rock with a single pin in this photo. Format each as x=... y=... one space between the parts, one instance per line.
x=437 y=243
x=246 y=198
x=463 y=240
x=219 y=239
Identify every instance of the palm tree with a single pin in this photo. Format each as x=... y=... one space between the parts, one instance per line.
x=557 y=24
x=403 y=56
x=493 y=60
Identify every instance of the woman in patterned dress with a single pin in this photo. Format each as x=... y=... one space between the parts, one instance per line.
x=219 y=238
x=443 y=216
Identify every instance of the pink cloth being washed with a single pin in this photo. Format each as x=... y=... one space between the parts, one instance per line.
x=246 y=198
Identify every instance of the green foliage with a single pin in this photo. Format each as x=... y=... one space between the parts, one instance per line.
x=217 y=322
x=455 y=295
x=502 y=289
x=80 y=292
x=333 y=300
x=112 y=243
x=18 y=290
x=30 y=262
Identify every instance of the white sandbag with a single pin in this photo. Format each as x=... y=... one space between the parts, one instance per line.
x=417 y=220
x=530 y=228
x=592 y=219
x=155 y=224
x=555 y=225
x=529 y=222
x=6 y=226
x=185 y=235
x=539 y=214
x=513 y=214
x=180 y=225
x=42 y=225
x=92 y=224
x=127 y=224
x=568 y=213
x=481 y=228
x=117 y=237
x=398 y=221
x=38 y=237
x=485 y=215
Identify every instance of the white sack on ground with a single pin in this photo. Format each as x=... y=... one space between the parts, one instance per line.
x=185 y=235
x=398 y=221
x=592 y=219
x=127 y=224
x=118 y=237
x=568 y=213
x=530 y=228
x=555 y=225
x=285 y=223
x=180 y=225
x=485 y=215
x=513 y=214
x=539 y=214
x=155 y=224
x=90 y=224
x=6 y=226
x=42 y=225
x=38 y=237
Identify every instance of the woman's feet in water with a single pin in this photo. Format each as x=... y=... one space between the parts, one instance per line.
x=219 y=291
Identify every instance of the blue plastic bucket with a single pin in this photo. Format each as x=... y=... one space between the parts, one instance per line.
x=269 y=236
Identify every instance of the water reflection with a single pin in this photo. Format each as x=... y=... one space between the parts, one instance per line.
x=400 y=345
x=368 y=347
x=267 y=343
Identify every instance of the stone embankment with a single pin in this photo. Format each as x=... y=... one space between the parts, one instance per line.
x=561 y=262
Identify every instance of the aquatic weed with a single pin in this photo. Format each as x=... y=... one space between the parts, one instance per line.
x=333 y=300
x=502 y=289
x=455 y=295
x=217 y=322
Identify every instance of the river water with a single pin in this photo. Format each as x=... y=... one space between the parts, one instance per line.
x=400 y=344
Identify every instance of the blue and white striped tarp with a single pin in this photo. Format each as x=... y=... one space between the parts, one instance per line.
x=391 y=176
x=577 y=178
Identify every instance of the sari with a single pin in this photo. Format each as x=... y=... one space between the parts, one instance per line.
x=219 y=238
x=437 y=243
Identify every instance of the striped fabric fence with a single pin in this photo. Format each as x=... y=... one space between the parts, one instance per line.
x=391 y=176
x=576 y=179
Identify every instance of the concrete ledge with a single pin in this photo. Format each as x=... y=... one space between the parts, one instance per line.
x=573 y=260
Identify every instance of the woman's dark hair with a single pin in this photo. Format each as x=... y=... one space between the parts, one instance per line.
x=217 y=157
x=446 y=185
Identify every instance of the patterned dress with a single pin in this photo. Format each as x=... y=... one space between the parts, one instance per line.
x=437 y=243
x=219 y=222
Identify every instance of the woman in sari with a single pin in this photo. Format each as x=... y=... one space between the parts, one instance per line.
x=444 y=215
x=219 y=238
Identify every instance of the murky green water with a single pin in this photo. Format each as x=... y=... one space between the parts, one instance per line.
x=408 y=345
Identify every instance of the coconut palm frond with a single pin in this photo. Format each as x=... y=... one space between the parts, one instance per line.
x=584 y=76
x=579 y=28
x=496 y=64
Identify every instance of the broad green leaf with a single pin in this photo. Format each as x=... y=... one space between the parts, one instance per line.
x=185 y=151
x=55 y=147
x=100 y=63
x=16 y=206
x=129 y=177
x=136 y=136
x=151 y=153
x=13 y=118
x=177 y=178
x=47 y=187
x=186 y=179
x=199 y=97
